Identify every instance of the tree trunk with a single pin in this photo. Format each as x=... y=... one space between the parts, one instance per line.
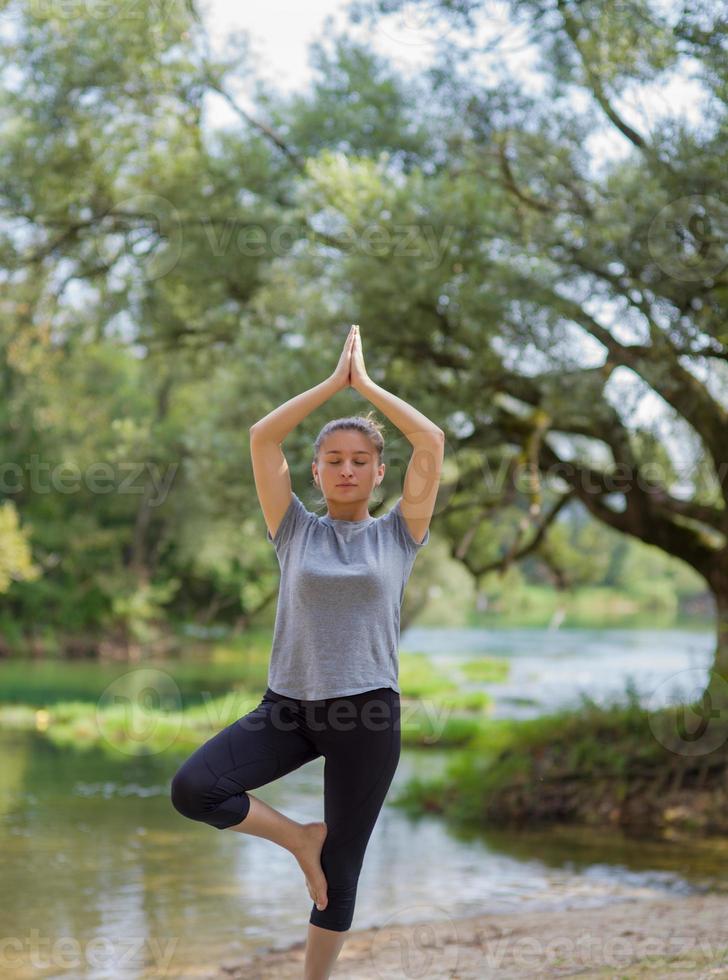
x=717 y=689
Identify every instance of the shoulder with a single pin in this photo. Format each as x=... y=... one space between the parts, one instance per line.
x=296 y=518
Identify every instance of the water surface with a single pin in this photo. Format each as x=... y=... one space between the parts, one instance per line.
x=97 y=861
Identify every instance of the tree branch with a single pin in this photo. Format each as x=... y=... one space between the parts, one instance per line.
x=516 y=551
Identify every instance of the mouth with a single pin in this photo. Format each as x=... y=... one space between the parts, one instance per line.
x=346 y=484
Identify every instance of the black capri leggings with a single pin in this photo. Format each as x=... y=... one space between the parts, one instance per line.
x=358 y=735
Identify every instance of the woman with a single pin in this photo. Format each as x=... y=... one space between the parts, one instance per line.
x=333 y=673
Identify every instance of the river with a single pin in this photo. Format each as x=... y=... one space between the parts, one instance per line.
x=103 y=878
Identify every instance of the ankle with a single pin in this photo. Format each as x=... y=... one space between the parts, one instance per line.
x=298 y=838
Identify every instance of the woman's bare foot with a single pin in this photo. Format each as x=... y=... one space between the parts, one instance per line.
x=308 y=855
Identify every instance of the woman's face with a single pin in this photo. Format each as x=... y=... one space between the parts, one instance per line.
x=347 y=470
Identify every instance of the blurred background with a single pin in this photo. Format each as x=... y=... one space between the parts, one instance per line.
x=523 y=204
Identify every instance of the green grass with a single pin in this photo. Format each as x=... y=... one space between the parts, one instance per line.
x=486 y=669
x=419 y=678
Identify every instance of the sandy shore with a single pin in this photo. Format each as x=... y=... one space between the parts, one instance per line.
x=682 y=938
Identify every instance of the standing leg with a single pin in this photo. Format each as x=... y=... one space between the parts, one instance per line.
x=322 y=950
x=362 y=753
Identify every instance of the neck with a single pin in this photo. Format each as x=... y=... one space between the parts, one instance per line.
x=354 y=512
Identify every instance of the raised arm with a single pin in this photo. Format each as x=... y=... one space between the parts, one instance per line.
x=422 y=479
x=270 y=467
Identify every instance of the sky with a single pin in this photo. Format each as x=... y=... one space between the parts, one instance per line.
x=283 y=30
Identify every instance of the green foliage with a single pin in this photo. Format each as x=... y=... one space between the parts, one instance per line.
x=15 y=552
x=167 y=284
x=137 y=607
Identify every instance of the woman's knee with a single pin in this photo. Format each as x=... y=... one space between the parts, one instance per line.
x=188 y=790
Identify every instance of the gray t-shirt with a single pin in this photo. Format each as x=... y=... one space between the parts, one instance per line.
x=341 y=589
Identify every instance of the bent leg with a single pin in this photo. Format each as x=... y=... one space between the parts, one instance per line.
x=210 y=786
x=359 y=768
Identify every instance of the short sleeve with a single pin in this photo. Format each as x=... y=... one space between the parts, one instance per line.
x=292 y=522
x=402 y=531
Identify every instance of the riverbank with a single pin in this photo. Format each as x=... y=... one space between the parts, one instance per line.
x=647 y=772
x=683 y=938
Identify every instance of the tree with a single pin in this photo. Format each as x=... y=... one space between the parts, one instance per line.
x=513 y=289
x=625 y=266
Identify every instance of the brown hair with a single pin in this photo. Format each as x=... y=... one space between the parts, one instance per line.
x=368 y=424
